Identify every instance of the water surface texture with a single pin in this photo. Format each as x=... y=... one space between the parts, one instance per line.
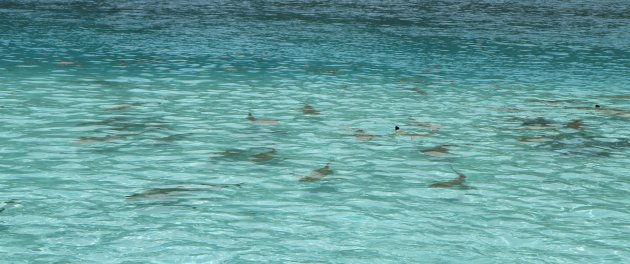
x=125 y=136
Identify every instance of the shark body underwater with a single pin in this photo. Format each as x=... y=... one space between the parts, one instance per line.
x=457 y=183
x=317 y=174
x=170 y=192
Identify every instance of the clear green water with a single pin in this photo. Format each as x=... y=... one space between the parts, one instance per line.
x=100 y=101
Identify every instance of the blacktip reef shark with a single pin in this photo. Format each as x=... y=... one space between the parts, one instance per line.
x=123 y=106
x=121 y=123
x=536 y=139
x=424 y=125
x=399 y=131
x=166 y=193
x=612 y=111
x=8 y=204
x=309 y=110
x=538 y=123
x=510 y=109
x=616 y=96
x=107 y=138
x=583 y=143
x=576 y=141
x=317 y=174
x=253 y=119
x=616 y=112
x=457 y=183
x=231 y=154
x=419 y=91
x=361 y=135
x=263 y=156
x=575 y=124
x=559 y=101
x=439 y=151
x=106 y=122
x=171 y=138
x=103 y=139
x=258 y=155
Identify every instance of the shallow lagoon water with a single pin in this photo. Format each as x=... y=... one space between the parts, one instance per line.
x=101 y=101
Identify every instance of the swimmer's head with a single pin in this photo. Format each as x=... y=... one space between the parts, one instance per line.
x=597 y=106
x=396 y=128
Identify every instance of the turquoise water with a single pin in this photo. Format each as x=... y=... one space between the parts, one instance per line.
x=125 y=139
